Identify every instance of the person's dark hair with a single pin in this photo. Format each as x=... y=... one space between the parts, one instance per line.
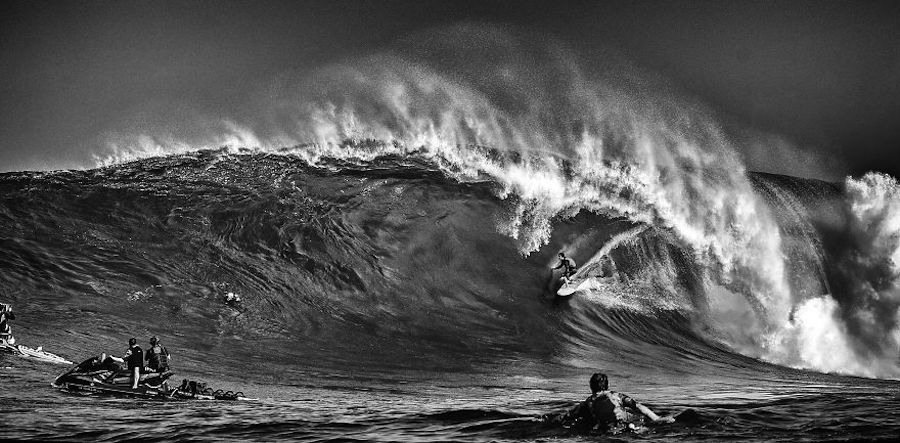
x=599 y=382
x=132 y=341
x=154 y=340
x=561 y=254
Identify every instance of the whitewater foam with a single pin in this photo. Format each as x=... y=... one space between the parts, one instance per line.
x=560 y=139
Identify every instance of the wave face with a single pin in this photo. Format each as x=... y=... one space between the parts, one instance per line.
x=407 y=261
x=785 y=271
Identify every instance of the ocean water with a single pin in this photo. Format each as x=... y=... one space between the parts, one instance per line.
x=397 y=296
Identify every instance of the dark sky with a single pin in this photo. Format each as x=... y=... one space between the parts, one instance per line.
x=826 y=75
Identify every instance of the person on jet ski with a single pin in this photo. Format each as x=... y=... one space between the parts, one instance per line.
x=6 y=314
x=608 y=411
x=568 y=266
x=104 y=362
x=157 y=356
x=134 y=358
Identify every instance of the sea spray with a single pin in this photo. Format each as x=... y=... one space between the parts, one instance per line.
x=867 y=287
x=558 y=137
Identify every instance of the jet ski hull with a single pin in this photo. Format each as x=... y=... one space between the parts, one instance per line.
x=107 y=389
x=103 y=377
x=95 y=377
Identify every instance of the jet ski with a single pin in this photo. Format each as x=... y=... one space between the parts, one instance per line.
x=103 y=375
x=33 y=353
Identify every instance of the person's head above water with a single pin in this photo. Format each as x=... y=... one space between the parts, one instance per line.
x=562 y=254
x=132 y=341
x=599 y=382
x=154 y=340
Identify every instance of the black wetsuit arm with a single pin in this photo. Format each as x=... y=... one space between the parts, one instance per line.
x=579 y=415
x=577 y=411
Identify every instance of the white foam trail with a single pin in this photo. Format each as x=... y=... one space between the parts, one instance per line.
x=593 y=265
x=636 y=295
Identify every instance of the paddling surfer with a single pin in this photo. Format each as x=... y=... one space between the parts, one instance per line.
x=608 y=411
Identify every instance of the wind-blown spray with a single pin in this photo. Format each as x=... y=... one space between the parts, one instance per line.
x=559 y=137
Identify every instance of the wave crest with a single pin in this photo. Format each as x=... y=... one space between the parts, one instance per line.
x=558 y=137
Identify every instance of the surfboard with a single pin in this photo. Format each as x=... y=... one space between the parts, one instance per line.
x=42 y=355
x=570 y=288
x=36 y=354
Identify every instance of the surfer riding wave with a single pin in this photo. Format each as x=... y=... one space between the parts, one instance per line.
x=568 y=266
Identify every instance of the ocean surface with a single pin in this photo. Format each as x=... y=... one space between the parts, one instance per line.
x=402 y=296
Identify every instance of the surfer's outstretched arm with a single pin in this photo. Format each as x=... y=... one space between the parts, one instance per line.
x=647 y=411
x=652 y=415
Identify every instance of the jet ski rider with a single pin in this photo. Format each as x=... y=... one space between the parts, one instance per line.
x=157 y=356
x=6 y=314
x=569 y=267
x=134 y=358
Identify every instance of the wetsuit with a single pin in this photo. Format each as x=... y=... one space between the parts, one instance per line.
x=134 y=358
x=101 y=363
x=569 y=266
x=108 y=364
x=604 y=411
x=158 y=358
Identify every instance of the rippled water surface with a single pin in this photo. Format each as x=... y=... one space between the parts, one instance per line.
x=454 y=407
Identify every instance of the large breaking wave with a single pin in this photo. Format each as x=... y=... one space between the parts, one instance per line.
x=793 y=272
x=392 y=260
